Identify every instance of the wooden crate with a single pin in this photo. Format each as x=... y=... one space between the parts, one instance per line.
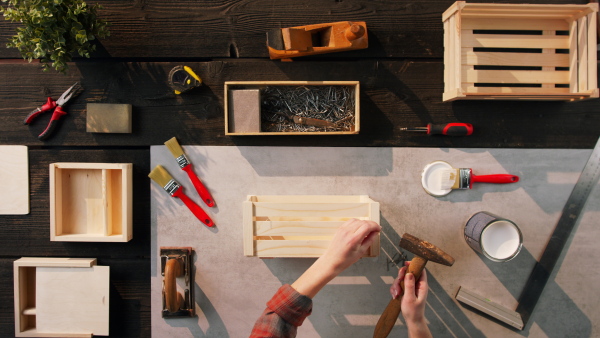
x=301 y=226
x=61 y=297
x=520 y=51
x=91 y=202
x=229 y=113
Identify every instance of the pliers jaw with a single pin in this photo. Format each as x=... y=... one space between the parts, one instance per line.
x=50 y=105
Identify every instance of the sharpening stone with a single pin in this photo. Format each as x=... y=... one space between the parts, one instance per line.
x=244 y=110
x=108 y=118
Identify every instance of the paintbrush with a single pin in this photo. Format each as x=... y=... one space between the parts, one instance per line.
x=464 y=178
x=186 y=165
x=166 y=181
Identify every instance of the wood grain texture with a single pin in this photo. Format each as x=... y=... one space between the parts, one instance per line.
x=229 y=28
x=393 y=94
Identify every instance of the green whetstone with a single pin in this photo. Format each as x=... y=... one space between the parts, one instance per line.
x=244 y=110
x=108 y=118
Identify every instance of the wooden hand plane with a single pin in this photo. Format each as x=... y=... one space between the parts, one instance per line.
x=286 y=43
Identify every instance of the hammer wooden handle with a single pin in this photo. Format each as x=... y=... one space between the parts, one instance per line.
x=392 y=311
x=173 y=299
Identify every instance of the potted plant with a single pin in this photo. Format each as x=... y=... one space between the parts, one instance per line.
x=53 y=30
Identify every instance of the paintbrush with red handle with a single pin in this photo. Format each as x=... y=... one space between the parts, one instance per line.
x=186 y=165
x=166 y=181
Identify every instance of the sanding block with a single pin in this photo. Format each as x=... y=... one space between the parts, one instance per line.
x=108 y=118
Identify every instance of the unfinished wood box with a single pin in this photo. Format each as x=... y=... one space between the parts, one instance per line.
x=241 y=85
x=520 y=51
x=61 y=297
x=299 y=225
x=91 y=202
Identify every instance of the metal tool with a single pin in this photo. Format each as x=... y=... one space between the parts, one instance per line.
x=543 y=268
x=424 y=251
x=183 y=78
x=57 y=105
x=176 y=262
x=450 y=129
x=490 y=308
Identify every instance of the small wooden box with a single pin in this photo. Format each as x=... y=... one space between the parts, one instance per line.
x=520 y=51
x=301 y=226
x=91 y=202
x=233 y=85
x=61 y=297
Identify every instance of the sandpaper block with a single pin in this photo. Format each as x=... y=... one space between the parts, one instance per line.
x=244 y=110
x=108 y=118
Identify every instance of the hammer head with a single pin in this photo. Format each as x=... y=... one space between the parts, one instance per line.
x=425 y=250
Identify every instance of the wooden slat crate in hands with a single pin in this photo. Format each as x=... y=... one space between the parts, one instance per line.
x=300 y=225
x=520 y=51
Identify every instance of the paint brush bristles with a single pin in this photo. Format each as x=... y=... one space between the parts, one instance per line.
x=160 y=176
x=174 y=147
x=177 y=152
x=450 y=179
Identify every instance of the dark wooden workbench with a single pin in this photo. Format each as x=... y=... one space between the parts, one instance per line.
x=401 y=76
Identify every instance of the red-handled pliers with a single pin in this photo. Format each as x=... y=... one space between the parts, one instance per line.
x=58 y=110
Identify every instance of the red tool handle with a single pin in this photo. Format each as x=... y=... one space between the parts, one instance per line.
x=194 y=208
x=450 y=129
x=58 y=113
x=49 y=105
x=499 y=178
x=202 y=191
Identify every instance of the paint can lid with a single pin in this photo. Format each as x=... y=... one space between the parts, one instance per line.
x=431 y=178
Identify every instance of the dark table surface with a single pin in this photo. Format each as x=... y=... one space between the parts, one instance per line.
x=401 y=77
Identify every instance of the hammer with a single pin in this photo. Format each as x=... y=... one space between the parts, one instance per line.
x=424 y=251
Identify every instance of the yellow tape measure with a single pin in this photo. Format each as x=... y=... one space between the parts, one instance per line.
x=183 y=78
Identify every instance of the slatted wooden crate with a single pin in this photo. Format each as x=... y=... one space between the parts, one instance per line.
x=520 y=51
x=301 y=226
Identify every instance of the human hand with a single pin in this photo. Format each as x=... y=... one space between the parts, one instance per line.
x=415 y=295
x=350 y=242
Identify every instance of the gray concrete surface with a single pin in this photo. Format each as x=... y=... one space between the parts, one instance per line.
x=231 y=290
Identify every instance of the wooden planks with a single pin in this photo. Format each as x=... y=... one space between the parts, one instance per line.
x=14 y=180
x=393 y=93
x=498 y=40
x=300 y=226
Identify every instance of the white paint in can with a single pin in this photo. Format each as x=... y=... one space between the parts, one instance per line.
x=501 y=240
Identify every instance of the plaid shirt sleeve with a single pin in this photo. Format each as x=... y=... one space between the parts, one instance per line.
x=285 y=312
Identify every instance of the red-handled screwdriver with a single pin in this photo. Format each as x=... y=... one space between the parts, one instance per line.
x=451 y=129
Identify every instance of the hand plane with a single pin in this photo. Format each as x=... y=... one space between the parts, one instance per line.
x=176 y=263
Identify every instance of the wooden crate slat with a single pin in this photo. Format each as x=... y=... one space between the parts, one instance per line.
x=282 y=248
x=307 y=198
x=468 y=39
x=470 y=57
x=310 y=209
x=514 y=24
x=515 y=76
x=592 y=65
x=517 y=90
x=582 y=39
x=293 y=238
x=279 y=228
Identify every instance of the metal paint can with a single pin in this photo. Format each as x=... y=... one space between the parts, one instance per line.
x=496 y=238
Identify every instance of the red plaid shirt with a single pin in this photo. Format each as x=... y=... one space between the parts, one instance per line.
x=285 y=312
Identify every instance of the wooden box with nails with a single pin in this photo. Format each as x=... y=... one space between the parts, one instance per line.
x=292 y=107
x=301 y=225
x=61 y=297
x=91 y=202
x=520 y=51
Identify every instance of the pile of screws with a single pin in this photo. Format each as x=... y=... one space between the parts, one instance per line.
x=334 y=104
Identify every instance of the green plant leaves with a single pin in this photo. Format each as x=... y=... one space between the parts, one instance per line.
x=54 y=29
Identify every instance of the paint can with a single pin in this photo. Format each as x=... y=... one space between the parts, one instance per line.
x=496 y=238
